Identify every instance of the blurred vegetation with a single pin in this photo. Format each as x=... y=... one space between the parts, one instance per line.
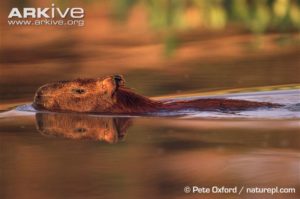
x=256 y=16
x=172 y=16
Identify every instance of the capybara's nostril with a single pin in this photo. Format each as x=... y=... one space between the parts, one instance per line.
x=38 y=98
x=39 y=94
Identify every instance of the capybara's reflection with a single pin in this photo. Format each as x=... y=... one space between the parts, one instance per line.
x=80 y=127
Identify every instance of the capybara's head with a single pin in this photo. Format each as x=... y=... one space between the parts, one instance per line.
x=80 y=95
x=82 y=127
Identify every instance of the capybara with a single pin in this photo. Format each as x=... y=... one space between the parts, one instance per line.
x=110 y=96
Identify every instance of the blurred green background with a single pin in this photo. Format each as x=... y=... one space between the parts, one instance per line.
x=256 y=16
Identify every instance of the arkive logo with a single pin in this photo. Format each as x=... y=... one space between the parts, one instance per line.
x=52 y=12
x=50 y=16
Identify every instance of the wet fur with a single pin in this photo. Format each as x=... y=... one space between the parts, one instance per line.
x=130 y=102
x=109 y=95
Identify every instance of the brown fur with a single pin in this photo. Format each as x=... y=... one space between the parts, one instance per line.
x=109 y=95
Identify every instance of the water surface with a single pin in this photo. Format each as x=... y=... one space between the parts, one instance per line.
x=50 y=155
x=61 y=155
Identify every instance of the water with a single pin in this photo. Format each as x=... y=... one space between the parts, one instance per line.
x=60 y=155
x=51 y=155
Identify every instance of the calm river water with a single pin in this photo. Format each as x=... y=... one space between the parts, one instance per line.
x=49 y=155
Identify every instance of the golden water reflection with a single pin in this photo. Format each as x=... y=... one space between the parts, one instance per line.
x=82 y=127
x=156 y=160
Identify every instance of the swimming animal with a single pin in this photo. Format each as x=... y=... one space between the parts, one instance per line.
x=109 y=95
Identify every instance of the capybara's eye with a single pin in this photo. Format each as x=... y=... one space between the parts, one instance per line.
x=80 y=130
x=78 y=90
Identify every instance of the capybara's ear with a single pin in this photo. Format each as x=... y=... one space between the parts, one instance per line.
x=119 y=79
x=110 y=84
